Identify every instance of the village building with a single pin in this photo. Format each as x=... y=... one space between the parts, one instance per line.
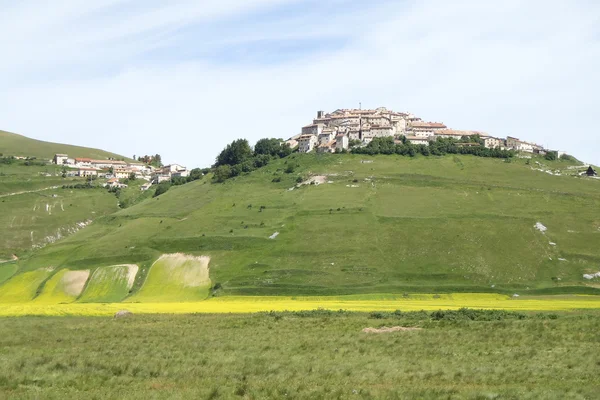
x=341 y=142
x=425 y=129
x=60 y=159
x=492 y=142
x=122 y=173
x=83 y=162
x=418 y=140
x=328 y=147
x=146 y=186
x=591 y=171
x=521 y=145
x=86 y=171
x=307 y=143
x=326 y=136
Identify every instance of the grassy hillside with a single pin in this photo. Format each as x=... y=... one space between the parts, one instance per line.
x=12 y=144
x=33 y=220
x=389 y=225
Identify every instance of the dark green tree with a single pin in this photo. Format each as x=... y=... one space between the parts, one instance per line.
x=236 y=152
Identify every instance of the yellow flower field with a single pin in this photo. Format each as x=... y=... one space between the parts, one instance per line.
x=250 y=304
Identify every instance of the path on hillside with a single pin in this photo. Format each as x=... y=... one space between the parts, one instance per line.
x=28 y=191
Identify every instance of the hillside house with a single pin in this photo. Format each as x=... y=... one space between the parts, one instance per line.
x=83 y=162
x=312 y=129
x=492 y=142
x=326 y=136
x=341 y=142
x=591 y=171
x=122 y=173
x=521 y=145
x=418 y=140
x=425 y=129
x=306 y=143
x=60 y=159
x=85 y=172
x=328 y=147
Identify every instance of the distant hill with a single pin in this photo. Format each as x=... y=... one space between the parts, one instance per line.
x=373 y=225
x=12 y=144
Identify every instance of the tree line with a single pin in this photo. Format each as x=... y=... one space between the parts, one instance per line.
x=438 y=147
x=239 y=157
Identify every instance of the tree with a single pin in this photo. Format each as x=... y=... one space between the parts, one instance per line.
x=551 y=156
x=132 y=176
x=162 y=188
x=270 y=147
x=111 y=170
x=222 y=173
x=235 y=153
x=157 y=161
x=195 y=174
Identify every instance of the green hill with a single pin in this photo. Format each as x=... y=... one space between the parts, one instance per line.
x=383 y=224
x=12 y=144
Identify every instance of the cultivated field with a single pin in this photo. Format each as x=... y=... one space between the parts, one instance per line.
x=252 y=304
x=316 y=355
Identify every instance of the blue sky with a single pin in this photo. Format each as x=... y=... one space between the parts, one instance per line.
x=184 y=78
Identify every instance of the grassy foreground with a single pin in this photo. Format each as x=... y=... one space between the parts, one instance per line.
x=364 y=303
x=316 y=355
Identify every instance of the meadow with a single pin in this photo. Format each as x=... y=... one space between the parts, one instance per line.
x=315 y=354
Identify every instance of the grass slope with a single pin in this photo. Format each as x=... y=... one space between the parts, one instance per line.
x=319 y=355
x=174 y=278
x=108 y=285
x=12 y=144
x=390 y=225
x=23 y=287
x=63 y=287
x=33 y=220
x=7 y=269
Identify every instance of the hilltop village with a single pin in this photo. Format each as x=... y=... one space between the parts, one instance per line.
x=345 y=128
x=115 y=170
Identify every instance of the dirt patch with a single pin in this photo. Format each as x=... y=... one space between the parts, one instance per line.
x=192 y=269
x=73 y=282
x=385 y=329
x=315 y=180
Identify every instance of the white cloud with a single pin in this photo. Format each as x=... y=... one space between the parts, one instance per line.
x=508 y=68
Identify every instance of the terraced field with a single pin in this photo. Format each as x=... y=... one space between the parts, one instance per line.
x=23 y=287
x=63 y=287
x=109 y=284
x=175 y=278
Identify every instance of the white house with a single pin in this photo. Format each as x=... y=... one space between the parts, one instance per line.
x=492 y=142
x=418 y=140
x=520 y=145
x=306 y=143
x=312 y=129
x=326 y=136
x=60 y=159
x=84 y=172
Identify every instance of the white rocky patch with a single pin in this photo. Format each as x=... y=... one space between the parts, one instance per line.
x=540 y=227
x=273 y=236
x=591 y=276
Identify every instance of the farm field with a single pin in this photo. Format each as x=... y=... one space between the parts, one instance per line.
x=253 y=304
x=318 y=355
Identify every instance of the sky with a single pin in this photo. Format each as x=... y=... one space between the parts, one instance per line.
x=185 y=77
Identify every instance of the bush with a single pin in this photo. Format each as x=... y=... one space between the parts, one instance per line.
x=162 y=188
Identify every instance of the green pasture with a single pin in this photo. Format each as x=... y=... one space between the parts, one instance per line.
x=320 y=354
x=34 y=220
x=12 y=144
